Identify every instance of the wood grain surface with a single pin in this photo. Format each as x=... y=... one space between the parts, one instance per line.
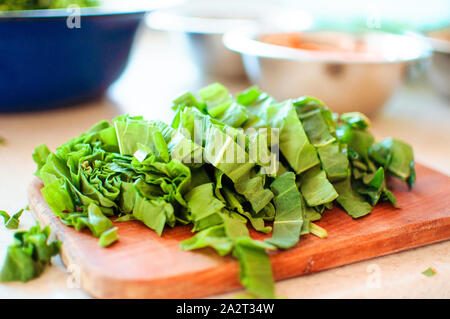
x=143 y=265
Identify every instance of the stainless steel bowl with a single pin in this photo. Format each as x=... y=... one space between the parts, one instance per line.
x=439 y=70
x=345 y=83
x=197 y=28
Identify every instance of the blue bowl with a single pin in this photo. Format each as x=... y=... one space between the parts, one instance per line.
x=46 y=64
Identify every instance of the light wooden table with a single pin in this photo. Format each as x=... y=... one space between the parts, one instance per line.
x=155 y=75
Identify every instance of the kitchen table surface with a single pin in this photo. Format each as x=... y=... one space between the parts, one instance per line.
x=155 y=75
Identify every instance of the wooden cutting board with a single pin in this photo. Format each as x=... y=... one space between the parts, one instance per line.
x=143 y=265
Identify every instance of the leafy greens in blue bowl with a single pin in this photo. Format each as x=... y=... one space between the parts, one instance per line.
x=56 y=57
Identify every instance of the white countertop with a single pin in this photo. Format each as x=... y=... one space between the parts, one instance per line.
x=155 y=75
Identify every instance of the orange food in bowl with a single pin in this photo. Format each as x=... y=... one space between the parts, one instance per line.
x=296 y=40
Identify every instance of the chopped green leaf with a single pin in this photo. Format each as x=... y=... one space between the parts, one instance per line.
x=217 y=99
x=28 y=256
x=255 y=271
x=40 y=156
x=214 y=237
x=334 y=161
x=13 y=221
x=98 y=223
x=429 y=272
x=153 y=213
x=317 y=128
x=108 y=237
x=204 y=208
x=353 y=203
x=315 y=187
x=356 y=120
x=254 y=191
x=294 y=143
x=317 y=230
x=397 y=157
x=289 y=212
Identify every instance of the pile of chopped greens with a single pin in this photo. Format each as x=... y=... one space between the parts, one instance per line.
x=28 y=256
x=13 y=5
x=165 y=175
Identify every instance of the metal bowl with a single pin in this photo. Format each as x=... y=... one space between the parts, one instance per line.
x=198 y=27
x=439 y=70
x=46 y=61
x=345 y=83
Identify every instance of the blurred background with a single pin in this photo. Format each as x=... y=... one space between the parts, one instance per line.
x=191 y=47
x=63 y=68
x=347 y=53
x=71 y=63
x=98 y=59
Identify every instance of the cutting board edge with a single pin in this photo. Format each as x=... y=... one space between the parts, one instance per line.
x=344 y=257
x=108 y=287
